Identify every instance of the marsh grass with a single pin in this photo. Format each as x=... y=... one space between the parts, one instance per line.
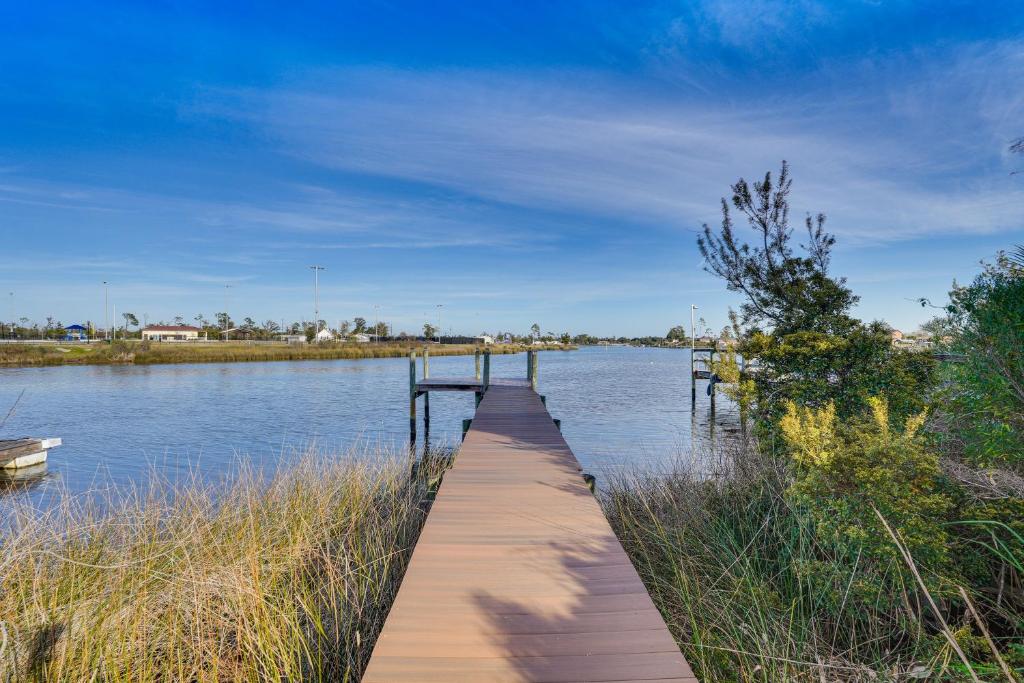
x=725 y=557
x=284 y=577
x=142 y=353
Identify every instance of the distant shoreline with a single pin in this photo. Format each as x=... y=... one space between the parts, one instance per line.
x=134 y=352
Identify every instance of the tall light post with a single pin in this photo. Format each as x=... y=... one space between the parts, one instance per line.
x=376 y=323
x=226 y=316
x=439 y=307
x=106 y=320
x=12 y=313
x=316 y=299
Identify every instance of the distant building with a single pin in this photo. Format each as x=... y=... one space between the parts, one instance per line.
x=75 y=333
x=896 y=336
x=360 y=338
x=324 y=335
x=293 y=338
x=171 y=333
x=484 y=339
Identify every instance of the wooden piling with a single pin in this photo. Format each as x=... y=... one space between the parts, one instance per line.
x=426 y=394
x=693 y=378
x=476 y=362
x=487 y=369
x=412 y=399
x=711 y=382
x=531 y=368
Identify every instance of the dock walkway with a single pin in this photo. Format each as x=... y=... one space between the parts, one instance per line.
x=517 y=575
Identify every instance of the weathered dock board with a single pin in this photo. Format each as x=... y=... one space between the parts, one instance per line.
x=517 y=575
x=16 y=453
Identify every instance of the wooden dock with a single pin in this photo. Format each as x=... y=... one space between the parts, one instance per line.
x=16 y=453
x=517 y=575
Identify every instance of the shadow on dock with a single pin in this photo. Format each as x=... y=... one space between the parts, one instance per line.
x=602 y=627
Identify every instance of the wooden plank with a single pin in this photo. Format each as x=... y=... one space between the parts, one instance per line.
x=517 y=575
x=12 y=449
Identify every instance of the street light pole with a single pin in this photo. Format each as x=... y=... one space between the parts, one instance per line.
x=106 y=320
x=439 y=306
x=376 y=323
x=316 y=299
x=227 y=317
x=12 y=314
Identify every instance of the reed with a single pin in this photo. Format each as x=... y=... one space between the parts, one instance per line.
x=286 y=577
x=142 y=353
x=728 y=560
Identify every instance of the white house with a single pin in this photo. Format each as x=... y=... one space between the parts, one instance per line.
x=171 y=333
x=360 y=338
x=324 y=335
x=484 y=339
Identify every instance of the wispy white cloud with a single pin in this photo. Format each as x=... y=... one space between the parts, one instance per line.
x=886 y=163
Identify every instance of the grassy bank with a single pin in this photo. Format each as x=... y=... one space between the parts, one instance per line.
x=752 y=592
x=142 y=353
x=282 y=580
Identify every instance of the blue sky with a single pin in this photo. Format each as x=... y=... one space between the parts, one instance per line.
x=545 y=162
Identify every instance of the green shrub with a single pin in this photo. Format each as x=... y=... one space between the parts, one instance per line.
x=986 y=405
x=845 y=472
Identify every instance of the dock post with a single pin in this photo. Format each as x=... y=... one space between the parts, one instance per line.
x=711 y=385
x=536 y=372
x=531 y=368
x=412 y=400
x=693 y=380
x=466 y=424
x=487 y=369
x=426 y=394
x=476 y=362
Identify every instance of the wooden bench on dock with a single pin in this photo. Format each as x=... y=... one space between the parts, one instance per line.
x=517 y=575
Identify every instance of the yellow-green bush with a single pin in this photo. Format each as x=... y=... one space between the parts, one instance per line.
x=845 y=472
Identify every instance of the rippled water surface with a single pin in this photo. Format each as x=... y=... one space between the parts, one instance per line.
x=620 y=407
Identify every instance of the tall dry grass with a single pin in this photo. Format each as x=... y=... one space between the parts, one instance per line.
x=143 y=353
x=285 y=579
x=726 y=555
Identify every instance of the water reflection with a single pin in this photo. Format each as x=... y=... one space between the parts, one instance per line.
x=620 y=408
x=22 y=478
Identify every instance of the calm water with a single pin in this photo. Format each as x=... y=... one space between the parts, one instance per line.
x=619 y=407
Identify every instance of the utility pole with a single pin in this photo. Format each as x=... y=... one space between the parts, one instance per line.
x=106 y=320
x=316 y=299
x=376 y=323
x=439 y=306
x=12 y=314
